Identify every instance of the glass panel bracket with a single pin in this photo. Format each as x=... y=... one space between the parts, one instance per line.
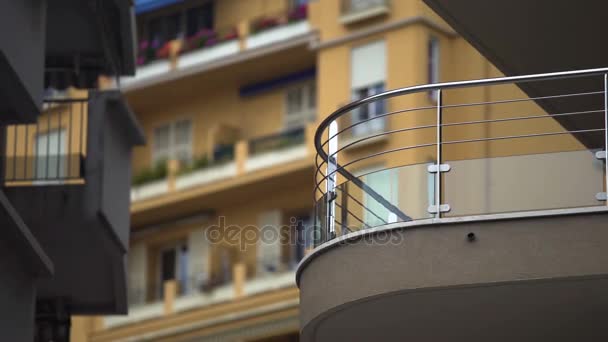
x=601 y=155
x=443 y=208
x=442 y=168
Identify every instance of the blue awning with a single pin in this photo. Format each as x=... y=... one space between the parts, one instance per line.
x=143 y=6
x=260 y=87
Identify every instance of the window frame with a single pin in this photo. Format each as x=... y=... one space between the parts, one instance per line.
x=373 y=109
x=171 y=148
x=176 y=248
x=182 y=9
x=306 y=114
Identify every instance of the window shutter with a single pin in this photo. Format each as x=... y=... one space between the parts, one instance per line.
x=368 y=64
x=198 y=267
x=269 y=243
x=161 y=143
x=138 y=265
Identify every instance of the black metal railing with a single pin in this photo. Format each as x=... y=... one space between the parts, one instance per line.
x=52 y=149
x=481 y=147
x=289 y=138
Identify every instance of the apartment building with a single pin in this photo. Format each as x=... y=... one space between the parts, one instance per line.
x=230 y=94
x=64 y=164
x=474 y=208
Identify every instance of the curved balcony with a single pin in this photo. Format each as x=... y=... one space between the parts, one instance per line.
x=445 y=202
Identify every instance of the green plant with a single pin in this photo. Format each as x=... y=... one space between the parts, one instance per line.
x=196 y=164
x=147 y=175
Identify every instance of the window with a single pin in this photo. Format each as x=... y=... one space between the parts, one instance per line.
x=368 y=74
x=50 y=148
x=362 y=5
x=301 y=104
x=433 y=65
x=173 y=265
x=165 y=28
x=198 y=18
x=369 y=111
x=173 y=141
x=296 y=246
x=296 y=3
x=175 y=24
x=269 y=244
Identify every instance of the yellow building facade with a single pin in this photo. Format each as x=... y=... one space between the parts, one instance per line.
x=229 y=99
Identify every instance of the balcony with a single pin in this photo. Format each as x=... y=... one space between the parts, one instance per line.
x=479 y=204
x=158 y=61
x=150 y=302
x=53 y=150
x=354 y=11
x=67 y=176
x=225 y=163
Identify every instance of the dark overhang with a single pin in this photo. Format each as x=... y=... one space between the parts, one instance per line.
x=87 y=38
x=528 y=37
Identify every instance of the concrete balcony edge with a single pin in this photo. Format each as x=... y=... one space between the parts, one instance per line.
x=430 y=222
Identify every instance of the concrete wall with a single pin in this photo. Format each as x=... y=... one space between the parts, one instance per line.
x=22 y=64
x=18 y=297
x=439 y=256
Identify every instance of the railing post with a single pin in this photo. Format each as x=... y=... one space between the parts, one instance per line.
x=173 y=166
x=241 y=153
x=332 y=166
x=169 y=294
x=438 y=208
x=439 y=156
x=603 y=196
x=239 y=276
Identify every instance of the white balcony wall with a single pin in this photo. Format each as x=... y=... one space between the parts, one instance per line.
x=208 y=54
x=277 y=34
x=273 y=158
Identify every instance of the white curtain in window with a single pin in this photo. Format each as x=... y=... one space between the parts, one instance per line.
x=138 y=266
x=368 y=64
x=173 y=141
x=198 y=268
x=269 y=245
x=51 y=148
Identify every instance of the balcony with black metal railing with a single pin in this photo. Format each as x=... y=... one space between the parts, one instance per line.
x=67 y=176
x=486 y=185
x=51 y=151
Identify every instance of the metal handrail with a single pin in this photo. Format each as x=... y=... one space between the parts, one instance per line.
x=329 y=157
x=446 y=85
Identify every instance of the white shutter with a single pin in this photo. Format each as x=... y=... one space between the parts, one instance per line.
x=368 y=64
x=269 y=245
x=51 y=147
x=198 y=267
x=138 y=265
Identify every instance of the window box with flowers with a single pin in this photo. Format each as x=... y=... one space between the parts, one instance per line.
x=295 y=14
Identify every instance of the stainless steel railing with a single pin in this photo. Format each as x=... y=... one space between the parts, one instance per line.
x=467 y=148
x=53 y=149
